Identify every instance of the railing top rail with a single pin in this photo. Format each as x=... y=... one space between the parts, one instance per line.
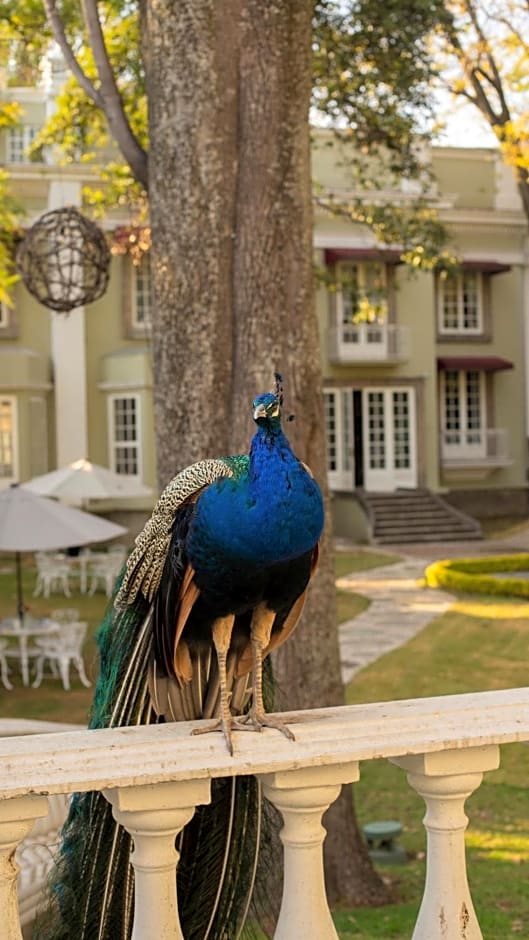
x=120 y=757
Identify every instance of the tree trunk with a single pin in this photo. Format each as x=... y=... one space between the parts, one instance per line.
x=230 y=200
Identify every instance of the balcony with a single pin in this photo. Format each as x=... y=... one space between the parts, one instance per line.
x=474 y=454
x=368 y=343
x=154 y=777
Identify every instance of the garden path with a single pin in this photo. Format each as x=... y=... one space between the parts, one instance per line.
x=400 y=605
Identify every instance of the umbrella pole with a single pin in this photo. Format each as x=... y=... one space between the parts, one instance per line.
x=20 y=599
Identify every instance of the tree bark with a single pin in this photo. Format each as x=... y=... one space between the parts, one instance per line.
x=230 y=201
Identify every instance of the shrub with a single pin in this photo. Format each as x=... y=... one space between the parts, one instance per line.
x=473 y=575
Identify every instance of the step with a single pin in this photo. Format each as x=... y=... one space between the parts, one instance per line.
x=427 y=537
x=442 y=521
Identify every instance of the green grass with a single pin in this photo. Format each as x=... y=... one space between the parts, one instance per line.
x=480 y=643
x=502 y=526
x=347 y=562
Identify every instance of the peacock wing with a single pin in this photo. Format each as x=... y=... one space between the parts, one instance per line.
x=146 y=562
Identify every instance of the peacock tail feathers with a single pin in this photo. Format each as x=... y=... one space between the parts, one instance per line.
x=91 y=890
x=146 y=562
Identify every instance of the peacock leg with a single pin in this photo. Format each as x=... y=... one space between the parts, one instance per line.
x=261 y=630
x=221 y=633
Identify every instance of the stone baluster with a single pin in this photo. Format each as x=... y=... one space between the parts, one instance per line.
x=17 y=816
x=153 y=815
x=302 y=797
x=444 y=780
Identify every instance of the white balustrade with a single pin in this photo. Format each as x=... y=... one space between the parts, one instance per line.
x=17 y=816
x=153 y=815
x=302 y=797
x=445 y=780
x=155 y=775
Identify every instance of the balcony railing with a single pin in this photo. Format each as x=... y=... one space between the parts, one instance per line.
x=477 y=447
x=155 y=776
x=368 y=342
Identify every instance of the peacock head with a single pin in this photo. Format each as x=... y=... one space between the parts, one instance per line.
x=267 y=410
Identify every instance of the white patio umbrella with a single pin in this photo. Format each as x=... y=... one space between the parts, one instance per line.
x=82 y=480
x=31 y=523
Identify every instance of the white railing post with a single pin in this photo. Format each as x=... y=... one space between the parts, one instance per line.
x=153 y=815
x=17 y=816
x=302 y=797
x=444 y=780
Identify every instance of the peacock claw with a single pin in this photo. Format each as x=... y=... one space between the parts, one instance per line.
x=256 y=722
x=248 y=722
x=220 y=725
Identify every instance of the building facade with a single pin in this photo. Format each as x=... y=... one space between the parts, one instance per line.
x=424 y=375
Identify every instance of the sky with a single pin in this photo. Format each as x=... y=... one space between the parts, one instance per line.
x=464 y=125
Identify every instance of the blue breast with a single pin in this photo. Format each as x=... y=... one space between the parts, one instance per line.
x=272 y=513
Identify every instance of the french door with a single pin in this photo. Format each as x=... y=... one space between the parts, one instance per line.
x=389 y=438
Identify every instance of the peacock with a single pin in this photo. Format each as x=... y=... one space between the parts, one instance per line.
x=216 y=581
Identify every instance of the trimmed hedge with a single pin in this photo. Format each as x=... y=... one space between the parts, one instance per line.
x=471 y=575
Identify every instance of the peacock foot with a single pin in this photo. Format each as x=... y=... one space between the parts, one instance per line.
x=249 y=722
x=226 y=725
x=256 y=721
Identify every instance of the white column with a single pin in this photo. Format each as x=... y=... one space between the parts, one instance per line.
x=68 y=349
x=153 y=815
x=16 y=819
x=445 y=780
x=302 y=797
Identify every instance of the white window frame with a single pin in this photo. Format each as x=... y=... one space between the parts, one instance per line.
x=19 y=140
x=343 y=273
x=460 y=328
x=340 y=478
x=12 y=400
x=464 y=447
x=136 y=273
x=114 y=444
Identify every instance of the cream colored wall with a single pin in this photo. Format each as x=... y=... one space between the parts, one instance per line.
x=25 y=371
x=468 y=175
x=508 y=385
x=130 y=372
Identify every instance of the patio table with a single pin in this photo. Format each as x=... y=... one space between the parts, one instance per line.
x=13 y=628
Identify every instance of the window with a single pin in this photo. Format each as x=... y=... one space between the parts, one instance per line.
x=339 y=431
x=363 y=292
x=461 y=303
x=463 y=402
x=141 y=312
x=8 y=440
x=125 y=434
x=19 y=140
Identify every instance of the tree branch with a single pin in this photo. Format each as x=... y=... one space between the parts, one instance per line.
x=493 y=78
x=68 y=53
x=112 y=104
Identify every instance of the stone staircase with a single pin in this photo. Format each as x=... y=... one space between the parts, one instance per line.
x=415 y=516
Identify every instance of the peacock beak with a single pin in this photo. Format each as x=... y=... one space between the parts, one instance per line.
x=260 y=412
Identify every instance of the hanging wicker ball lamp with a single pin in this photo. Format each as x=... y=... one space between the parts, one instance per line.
x=64 y=260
